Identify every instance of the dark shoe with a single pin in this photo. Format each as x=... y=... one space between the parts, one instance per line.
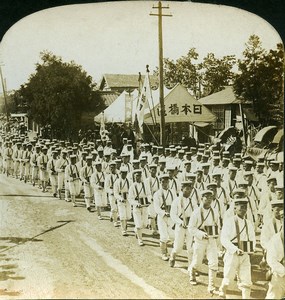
x=171 y=262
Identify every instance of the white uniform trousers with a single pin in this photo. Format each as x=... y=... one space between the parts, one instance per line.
x=140 y=217
x=240 y=264
x=88 y=190
x=80 y=187
x=44 y=175
x=100 y=197
x=113 y=204
x=202 y=247
x=22 y=169
x=35 y=173
x=60 y=180
x=16 y=168
x=165 y=230
x=124 y=210
x=88 y=194
x=27 y=170
x=180 y=235
x=53 y=182
x=8 y=165
x=276 y=289
x=151 y=211
x=74 y=187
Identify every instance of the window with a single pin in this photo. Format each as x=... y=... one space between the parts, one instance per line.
x=219 y=111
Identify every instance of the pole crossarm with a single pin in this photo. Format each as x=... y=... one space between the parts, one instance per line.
x=160 y=6
x=151 y=14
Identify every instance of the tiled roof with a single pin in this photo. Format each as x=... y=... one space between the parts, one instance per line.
x=126 y=80
x=108 y=97
x=223 y=97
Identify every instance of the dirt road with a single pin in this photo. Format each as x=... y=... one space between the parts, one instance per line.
x=49 y=249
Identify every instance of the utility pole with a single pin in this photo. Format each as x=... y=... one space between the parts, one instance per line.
x=5 y=98
x=160 y=49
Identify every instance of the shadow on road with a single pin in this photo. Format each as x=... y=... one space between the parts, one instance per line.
x=8 y=271
x=19 y=240
x=5 y=292
x=29 y=196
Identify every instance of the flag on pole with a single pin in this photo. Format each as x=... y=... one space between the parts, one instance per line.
x=143 y=102
x=102 y=126
x=137 y=129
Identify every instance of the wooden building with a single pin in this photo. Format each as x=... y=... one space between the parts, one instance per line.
x=227 y=108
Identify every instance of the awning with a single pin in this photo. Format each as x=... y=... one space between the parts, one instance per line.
x=201 y=124
x=226 y=133
x=278 y=136
x=181 y=106
x=265 y=134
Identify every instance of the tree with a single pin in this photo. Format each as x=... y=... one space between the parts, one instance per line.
x=260 y=81
x=57 y=94
x=216 y=73
x=182 y=71
x=11 y=108
x=202 y=79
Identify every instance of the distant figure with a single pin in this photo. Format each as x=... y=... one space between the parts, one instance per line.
x=188 y=141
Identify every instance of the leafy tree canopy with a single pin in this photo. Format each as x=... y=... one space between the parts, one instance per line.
x=58 y=93
x=260 y=81
x=202 y=79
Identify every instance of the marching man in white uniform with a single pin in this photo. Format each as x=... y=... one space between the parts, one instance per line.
x=204 y=225
x=152 y=184
x=162 y=200
x=34 y=164
x=275 y=259
x=8 y=153
x=272 y=225
x=238 y=238
x=72 y=177
x=98 y=184
x=16 y=159
x=139 y=201
x=26 y=161
x=60 y=166
x=52 y=172
x=121 y=193
x=85 y=176
x=230 y=184
x=109 y=186
x=42 y=163
x=181 y=210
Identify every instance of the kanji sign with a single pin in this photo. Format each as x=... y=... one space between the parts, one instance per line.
x=186 y=109
x=197 y=109
x=173 y=109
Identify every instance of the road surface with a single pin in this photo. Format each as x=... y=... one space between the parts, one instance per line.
x=50 y=249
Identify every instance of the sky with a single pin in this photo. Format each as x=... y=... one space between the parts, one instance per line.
x=121 y=37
